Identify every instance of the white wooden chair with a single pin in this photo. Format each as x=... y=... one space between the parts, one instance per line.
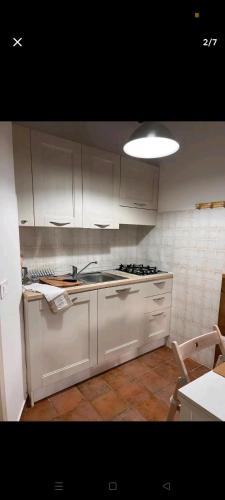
x=185 y=350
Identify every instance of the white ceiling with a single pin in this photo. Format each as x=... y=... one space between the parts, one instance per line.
x=201 y=137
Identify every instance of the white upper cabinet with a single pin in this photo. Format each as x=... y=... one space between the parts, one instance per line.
x=23 y=175
x=57 y=181
x=101 y=172
x=138 y=184
x=61 y=183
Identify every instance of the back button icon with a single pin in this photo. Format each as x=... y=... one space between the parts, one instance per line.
x=166 y=486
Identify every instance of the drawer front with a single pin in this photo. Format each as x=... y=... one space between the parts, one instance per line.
x=156 y=302
x=157 y=325
x=122 y=291
x=152 y=288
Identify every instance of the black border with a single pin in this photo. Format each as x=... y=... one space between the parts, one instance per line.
x=141 y=457
x=139 y=64
x=155 y=69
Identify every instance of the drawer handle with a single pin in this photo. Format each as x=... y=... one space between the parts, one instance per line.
x=23 y=221
x=74 y=300
x=140 y=204
x=159 y=298
x=102 y=225
x=158 y=314
x=159 y=283
x=123 y=290
x=59 y=223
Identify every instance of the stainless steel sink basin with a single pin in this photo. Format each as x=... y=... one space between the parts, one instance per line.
x=99 y=277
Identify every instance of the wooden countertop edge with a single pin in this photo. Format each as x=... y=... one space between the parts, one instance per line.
x=29 y=296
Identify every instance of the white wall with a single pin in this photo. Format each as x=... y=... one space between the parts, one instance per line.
x=11 y=342
x=197 y=171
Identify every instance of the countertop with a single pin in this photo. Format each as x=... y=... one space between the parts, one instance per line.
x=95 y=286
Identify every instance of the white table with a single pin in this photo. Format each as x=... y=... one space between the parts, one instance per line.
x=203 y=399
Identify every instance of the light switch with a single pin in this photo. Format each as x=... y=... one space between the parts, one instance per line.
x=3 y=289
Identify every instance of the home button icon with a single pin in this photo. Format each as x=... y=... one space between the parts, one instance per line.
x=112 y=486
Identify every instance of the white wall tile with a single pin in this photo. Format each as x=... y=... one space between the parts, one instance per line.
x=196 y=256
x=66 y=247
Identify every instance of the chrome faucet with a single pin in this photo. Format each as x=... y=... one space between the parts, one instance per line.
x=25 y=276
x=75 y=273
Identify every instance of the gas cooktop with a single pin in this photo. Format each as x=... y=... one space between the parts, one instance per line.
x=139 y=269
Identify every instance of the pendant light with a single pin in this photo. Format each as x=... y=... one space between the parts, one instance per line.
x=151 y=140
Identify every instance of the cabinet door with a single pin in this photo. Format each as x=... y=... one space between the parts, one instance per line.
x=23 y=174
x=157 y=325
x=57 y=181
x=120 y=321
x=138 y=184
x=64 y=343
x=100 y=188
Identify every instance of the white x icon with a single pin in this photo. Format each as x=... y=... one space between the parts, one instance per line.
x=17 y=42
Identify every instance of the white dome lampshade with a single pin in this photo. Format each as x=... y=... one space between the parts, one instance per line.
x=151 y=140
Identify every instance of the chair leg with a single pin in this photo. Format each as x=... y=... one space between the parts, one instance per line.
x=220 y=359
x=174 y=402
x=174 y=406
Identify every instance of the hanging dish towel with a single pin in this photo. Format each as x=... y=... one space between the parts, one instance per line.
x=57 y=298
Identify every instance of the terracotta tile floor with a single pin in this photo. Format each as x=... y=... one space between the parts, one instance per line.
x=135 y=391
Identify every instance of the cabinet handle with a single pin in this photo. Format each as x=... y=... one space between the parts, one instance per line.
x=102 y=225
x=74 y=300
x=23 y=221
x=59 y=223
x=159 y=283
x=123 y=290
x=140 y=204
x=159 y=298
x=158 y=314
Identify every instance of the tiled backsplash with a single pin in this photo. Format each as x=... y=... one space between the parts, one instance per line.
x=63 y=247
x=191 y=244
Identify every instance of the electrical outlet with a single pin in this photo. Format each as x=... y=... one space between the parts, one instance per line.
x=3 y=289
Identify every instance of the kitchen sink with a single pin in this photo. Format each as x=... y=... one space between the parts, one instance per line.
x=99 y=277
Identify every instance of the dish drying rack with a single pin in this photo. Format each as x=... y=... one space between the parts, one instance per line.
x=38 y=273
x=52 y=270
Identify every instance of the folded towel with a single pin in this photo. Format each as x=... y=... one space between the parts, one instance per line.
x=57 y=298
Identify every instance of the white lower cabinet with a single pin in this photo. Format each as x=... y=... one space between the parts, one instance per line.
x=120 y=321
x=102 y=329
x=60 y=344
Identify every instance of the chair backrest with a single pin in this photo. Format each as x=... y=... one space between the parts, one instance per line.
x=194 y=345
